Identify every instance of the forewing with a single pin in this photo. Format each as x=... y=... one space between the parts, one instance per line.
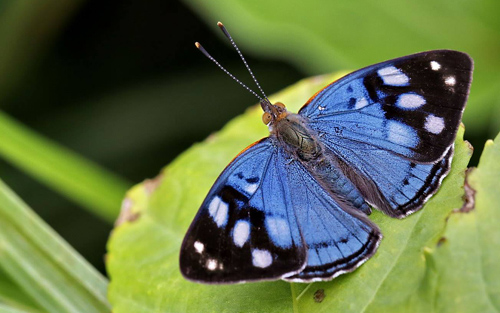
x=246 y=229
x=393 y=125
x=411 y=106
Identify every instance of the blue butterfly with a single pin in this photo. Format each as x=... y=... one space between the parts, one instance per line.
x=295 y=205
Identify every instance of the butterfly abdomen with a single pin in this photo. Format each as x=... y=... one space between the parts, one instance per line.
x=330 y=175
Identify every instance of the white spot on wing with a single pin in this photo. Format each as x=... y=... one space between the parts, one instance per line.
x=393 y=76
x=218 y=211
x=241 y=232
x=320 y=108
x=211 y=264
x=410 y=101
x=450 y=81
x=435 y=65
x=434 y=124
x=261 y=258
x=199 y=247
x=251 y=188
x=361 y=103
x=279 y=231
x=401 y=134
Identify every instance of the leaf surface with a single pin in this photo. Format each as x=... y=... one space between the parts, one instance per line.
x=468 y=257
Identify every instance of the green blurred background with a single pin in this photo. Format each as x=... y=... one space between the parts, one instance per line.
x=121 y=84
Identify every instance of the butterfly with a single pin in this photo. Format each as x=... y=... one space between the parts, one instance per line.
x=295 y=205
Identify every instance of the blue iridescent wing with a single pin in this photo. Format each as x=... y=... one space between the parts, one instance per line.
x=266 y=218
x=339 y=238
x=393 y=124
x=245 y=230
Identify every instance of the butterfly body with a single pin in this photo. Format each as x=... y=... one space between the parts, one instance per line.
x=303 y=145
x=295 y=205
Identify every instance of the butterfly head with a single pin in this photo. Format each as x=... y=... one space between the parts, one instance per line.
x=272 y=112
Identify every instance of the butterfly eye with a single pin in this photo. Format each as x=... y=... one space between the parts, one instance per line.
x=279 y=104
x=266 y=118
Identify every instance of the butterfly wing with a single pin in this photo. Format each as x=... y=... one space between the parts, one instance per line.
x=394 y=123
x=339 y=238
x=245 y=229
x=267 y=218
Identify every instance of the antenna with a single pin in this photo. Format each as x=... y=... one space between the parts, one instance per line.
x=226 y=33
x=224 y=30
x=200 y=47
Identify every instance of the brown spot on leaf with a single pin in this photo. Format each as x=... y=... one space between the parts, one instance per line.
x=469 y=196
x=211 y=137
x=126 y=213
x=319 y=295
x=441 y=241
x=150 y=185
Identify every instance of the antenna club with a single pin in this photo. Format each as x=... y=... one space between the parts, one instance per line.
x=220 y=24
x=197 y=45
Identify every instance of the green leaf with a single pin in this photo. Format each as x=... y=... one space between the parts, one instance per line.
x=468 y=258
x=321 y=36
x=52 y=276
x=11 y=293
x=66 y=172
x=144 y=248
x=8 y=309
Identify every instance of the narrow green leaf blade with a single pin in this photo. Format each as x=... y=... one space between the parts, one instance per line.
x=45 y=267
x=73 y=176
x=144 y=248
x=7 y=309
x=11 y=294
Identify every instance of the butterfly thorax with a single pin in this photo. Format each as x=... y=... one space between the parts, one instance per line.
x=297 y=137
